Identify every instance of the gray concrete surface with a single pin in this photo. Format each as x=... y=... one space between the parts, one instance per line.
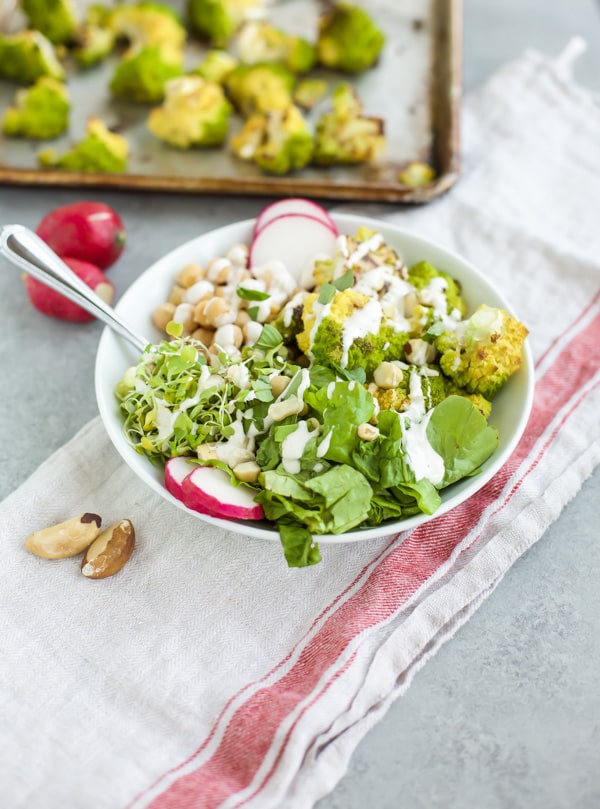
x=507 y=715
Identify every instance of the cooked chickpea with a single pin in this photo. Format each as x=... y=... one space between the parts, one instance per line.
x=229 y=335
x=368 y=432
x=388 y=375
x=184 y=314
x=163 y=314
x=218 y=270
x=279 y=383
x=176 y=295
x=204 y=336
x=189 y=274
x=198 y=291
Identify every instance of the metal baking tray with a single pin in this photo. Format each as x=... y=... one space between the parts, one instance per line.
x=416 y=88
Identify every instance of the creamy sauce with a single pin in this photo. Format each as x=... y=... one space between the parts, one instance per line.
x=422 y=458
x=361 y=322
x=293 y=446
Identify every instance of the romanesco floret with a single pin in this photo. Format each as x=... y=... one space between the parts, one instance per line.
x=309 y=92
x=432 y=387
x=99 y=151
x=260 y=41
x=483 y=351
x=335 y=335
x=263 y=87
x=481 y=403
x=278 y=142
x=216 y=65
x=344 y=135
x=195 y=113
x=348 y=39
x=27 y=55
x=147 y=23
x=40 y=112
x=55 y=19
x=434 y=285
x=218 y=20
x=93 y=43
x=142 y=74
x=417 y=174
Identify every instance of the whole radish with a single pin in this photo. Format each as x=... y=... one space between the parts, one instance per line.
x=89 y=231
x=53 y=304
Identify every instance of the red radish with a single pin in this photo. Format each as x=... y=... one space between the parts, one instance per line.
x=295 y=205
x=53 y=304
x=176 y=469
x=296 y=240
x=89 y=231
x=210 y=491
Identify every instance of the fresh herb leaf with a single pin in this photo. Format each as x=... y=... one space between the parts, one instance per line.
x=251 y=294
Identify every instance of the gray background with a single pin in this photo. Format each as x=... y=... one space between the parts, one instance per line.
x=508 y=713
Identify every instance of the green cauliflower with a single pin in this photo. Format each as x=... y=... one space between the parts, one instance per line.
x=55 y=19
x=278 y=142
x=433 y=387
x=263 y=87
x=332 y=344
x=27 y=55
x=147 y=23
x=416 y=174
x=195 y=113
x=142 y=74
x=260 y=41
x=218 y=20
x=216 y=65
x=99 y=151
x=483 y=351
x=40 y=112
x=344 y=135
x=348 y=39
x=309 y=92
x=94 y=39
x=422 y=275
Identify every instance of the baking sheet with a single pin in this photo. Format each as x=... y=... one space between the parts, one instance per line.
x=415 y=87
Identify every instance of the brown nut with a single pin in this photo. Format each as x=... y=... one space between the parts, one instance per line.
x=65 y=539
x=110 y=551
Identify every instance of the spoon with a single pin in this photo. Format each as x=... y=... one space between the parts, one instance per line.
x=24 y=248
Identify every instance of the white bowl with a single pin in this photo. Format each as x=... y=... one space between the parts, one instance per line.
x=511 y=407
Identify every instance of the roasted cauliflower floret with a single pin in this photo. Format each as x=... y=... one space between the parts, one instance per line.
x=55 y=19
x=262 y=87
x=278 y=142
x=195 y=113
x=93 y=43
x=147 y=23
x=27 y=55
x=309 y=92
x=142 y=74
x=416 y=174
x=348 y=39
x=99 y=151
x=427 y=384
x=262 y=42
x=344 y=134
x=39 y=112
x=216 y=65
x=482 y=352
x=349 y=332
x=218 y=20
x=437 y=289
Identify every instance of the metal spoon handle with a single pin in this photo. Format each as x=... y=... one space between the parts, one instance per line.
x=26 y=250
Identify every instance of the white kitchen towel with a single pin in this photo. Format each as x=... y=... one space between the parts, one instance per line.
x=207 y=674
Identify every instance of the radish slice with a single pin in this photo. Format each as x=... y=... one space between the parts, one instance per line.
x=176 y=470
x=296 y=240
x=294 y=205
x=210 y=491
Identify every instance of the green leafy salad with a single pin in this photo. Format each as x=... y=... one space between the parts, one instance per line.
x=361 y=399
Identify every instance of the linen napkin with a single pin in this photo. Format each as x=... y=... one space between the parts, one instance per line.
x=207 y=674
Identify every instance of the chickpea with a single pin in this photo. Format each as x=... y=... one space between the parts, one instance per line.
x=229 y=335
x=218 y=270
x=388 y=375
x=189 y=274
x=176 y=295
x=366 y=431
x=204 y=336
x=198 y=291
x=184 y=314
x=163 y=314
x=279 y=383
